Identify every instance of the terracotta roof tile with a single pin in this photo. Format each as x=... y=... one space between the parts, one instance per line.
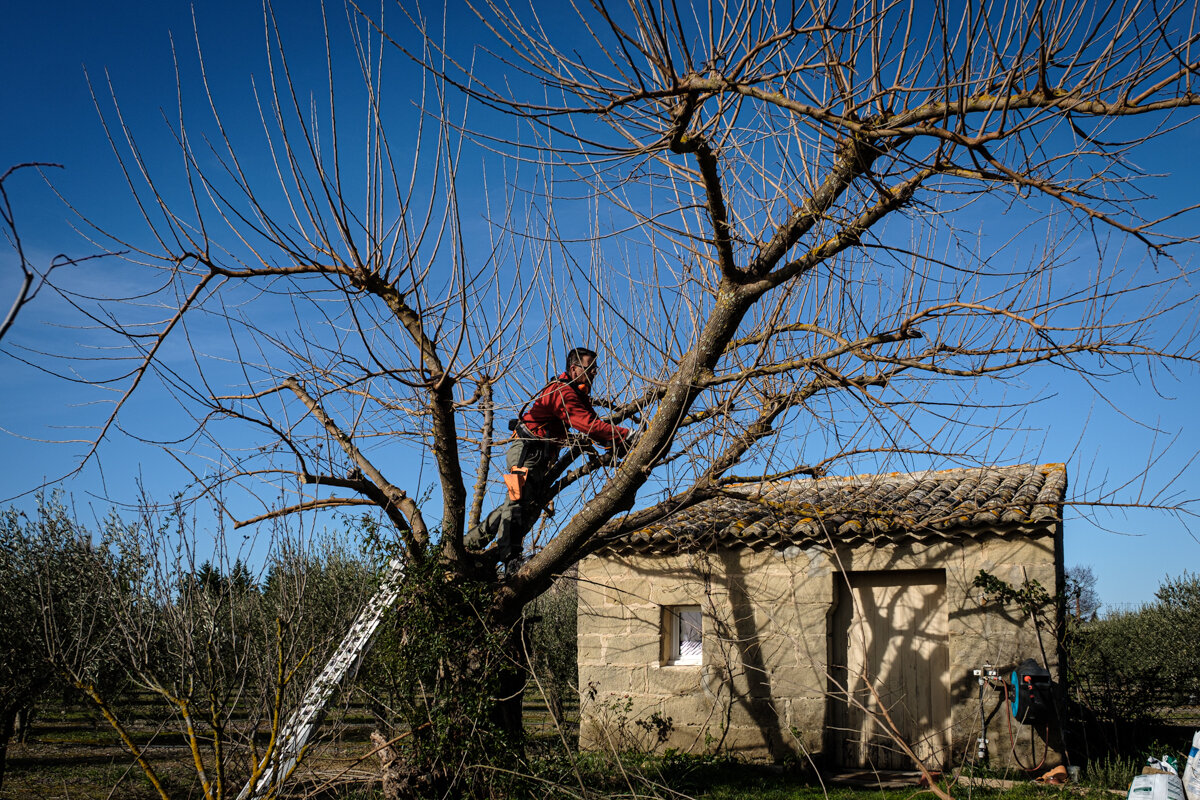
x=860 y=510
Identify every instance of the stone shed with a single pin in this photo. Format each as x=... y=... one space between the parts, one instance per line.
x=778 y=620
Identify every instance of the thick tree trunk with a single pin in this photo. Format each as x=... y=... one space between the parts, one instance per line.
x=24 y=721
x=6 y=728
x=462 y=724
x=508 y=715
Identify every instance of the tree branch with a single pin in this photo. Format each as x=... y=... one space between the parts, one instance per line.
x=401 y=509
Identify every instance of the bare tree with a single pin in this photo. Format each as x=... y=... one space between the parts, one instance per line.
x=798 y=181
x=1083 y=601
x=28 y=282
x=786 y=251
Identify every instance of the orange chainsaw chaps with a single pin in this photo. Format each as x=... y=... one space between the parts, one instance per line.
x=515 y=482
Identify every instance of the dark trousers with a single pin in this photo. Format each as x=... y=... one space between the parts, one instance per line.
x=508 y=522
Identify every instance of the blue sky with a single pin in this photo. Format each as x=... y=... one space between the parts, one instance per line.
x=49 y=116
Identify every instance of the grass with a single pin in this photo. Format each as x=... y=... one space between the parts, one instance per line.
x=81 y=771
x=65 y=764
x=715 y=778
x=74 y=755
x=1112 y=771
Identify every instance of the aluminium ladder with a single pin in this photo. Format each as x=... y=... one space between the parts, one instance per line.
x=278 y=765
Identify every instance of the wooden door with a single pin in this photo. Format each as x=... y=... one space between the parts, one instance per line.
x=889 y=633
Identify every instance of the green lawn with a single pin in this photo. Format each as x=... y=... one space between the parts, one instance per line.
x=73 y=755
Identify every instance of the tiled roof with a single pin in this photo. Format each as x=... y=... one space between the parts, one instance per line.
x=860 y=510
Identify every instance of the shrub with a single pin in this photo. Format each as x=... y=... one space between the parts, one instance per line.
x=1131 y=670
x=553 y=656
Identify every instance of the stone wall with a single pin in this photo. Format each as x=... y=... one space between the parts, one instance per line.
x=761 y=688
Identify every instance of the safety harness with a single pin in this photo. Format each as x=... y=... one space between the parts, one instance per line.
x=514 y=479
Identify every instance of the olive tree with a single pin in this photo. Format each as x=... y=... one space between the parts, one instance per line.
x=56 y=624
x=133 y=606
x=1132 y=671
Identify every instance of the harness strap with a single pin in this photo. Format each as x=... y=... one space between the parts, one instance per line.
x=520 y=429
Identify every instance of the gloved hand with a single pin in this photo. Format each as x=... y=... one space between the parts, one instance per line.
x=621 y=447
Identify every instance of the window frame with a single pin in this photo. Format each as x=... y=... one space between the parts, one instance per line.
x=673 y=639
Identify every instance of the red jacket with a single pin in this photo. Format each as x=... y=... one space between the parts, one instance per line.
x=562 y=405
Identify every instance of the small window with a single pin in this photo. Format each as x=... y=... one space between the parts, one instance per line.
x=682 y=630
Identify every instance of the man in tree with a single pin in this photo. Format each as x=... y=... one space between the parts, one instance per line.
x=539 y=431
